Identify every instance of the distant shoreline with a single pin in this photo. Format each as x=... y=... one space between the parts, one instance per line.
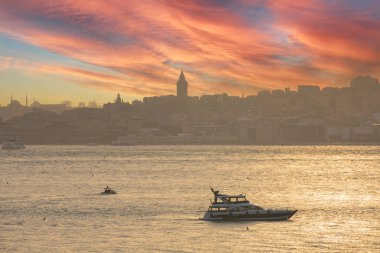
x=217 y=144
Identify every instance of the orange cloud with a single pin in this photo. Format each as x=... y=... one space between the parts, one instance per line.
x=230 y=46
x=337 y=36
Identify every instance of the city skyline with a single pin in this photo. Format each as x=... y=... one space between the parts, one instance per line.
x=180 y=90
x=306 y=115
x=82 y=51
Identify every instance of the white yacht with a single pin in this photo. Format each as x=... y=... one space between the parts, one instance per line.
x=237 y=207
x=12 y=145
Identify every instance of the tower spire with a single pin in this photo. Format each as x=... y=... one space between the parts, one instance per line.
x=182 y=86
x=26 y=100
x=182 y=75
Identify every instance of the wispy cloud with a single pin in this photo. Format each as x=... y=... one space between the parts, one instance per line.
x=229 y=46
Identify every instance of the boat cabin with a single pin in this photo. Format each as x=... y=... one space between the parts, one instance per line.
x=228 y=199
x=233 y=199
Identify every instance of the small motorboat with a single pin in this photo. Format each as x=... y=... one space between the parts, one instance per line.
x=108 y=190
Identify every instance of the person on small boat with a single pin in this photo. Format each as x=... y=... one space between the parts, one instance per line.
x=108 y=190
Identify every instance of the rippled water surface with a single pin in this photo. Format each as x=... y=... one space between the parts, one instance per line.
x=50 y=199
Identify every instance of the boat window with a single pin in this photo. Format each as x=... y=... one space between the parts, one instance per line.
x=218 y=209
x=235 y=200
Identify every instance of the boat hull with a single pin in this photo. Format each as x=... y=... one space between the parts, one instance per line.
x=258 y=216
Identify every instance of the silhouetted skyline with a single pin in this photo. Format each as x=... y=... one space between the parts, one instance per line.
x=282 y=116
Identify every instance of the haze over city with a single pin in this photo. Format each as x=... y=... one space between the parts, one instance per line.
x=90 y=50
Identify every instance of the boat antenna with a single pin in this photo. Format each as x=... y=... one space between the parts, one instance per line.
x=212 y=189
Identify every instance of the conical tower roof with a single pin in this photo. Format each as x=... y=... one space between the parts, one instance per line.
x=181 y=79
x=181 y=76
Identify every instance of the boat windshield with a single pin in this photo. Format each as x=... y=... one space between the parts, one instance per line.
x=235 y=199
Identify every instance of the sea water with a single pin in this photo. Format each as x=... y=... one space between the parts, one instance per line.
x=50 y=198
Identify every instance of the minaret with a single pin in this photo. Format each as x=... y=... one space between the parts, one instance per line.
x=26 y=100
x=182 y=86
x=11 y=98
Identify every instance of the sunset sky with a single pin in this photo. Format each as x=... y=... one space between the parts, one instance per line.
x=85 y=50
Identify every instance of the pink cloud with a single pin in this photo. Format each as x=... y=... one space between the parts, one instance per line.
x=220 y=48
x=335 y=35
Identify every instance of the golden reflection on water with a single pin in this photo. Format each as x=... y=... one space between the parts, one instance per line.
x=52 y=202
